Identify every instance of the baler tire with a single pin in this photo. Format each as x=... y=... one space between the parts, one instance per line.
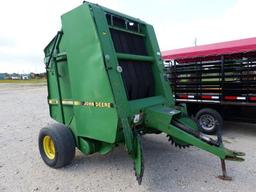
x=218 y=120
x=63 y=145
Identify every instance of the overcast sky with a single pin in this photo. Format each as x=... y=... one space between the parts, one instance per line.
x=28 y=25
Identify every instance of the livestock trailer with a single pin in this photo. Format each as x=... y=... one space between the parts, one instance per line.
x=216 y=81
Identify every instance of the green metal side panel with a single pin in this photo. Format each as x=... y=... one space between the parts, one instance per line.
x=65 y=89
x=53 y=93
x=161 y=85
x=55 y=110
x=88 y=78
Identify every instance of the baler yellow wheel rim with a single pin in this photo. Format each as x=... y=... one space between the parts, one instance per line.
x=49 y=148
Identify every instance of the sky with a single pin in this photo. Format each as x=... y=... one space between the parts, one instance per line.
x=27 y=26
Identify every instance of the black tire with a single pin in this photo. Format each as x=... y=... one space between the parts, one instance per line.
x=63 y=143
x=210 y=116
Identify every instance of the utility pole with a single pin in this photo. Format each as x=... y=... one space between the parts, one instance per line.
x=195 y=42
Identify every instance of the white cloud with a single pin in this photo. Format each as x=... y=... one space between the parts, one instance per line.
x=237 y=23
x=27 y=26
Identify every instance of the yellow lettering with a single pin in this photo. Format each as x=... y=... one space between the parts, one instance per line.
x=97 y=104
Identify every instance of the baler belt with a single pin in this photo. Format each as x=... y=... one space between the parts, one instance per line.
x=136 y=64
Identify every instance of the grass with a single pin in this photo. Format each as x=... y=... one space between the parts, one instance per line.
x=23 y=81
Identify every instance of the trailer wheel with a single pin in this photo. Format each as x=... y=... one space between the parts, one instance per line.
x=56 y=145
x=209 y=120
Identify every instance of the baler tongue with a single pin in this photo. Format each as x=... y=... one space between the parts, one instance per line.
x=184 y=130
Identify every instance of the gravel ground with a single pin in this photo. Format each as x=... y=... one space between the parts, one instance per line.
x=24 y=110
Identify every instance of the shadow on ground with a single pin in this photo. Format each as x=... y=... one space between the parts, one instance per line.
x=165 y=165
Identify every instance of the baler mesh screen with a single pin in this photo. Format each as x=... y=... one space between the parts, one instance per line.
x=137 y=75
x=138 y=79
x=128 y=43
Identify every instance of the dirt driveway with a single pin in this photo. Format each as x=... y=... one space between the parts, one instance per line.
x=24 y=110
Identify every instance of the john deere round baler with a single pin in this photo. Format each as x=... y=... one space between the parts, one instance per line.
x=106 y=86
